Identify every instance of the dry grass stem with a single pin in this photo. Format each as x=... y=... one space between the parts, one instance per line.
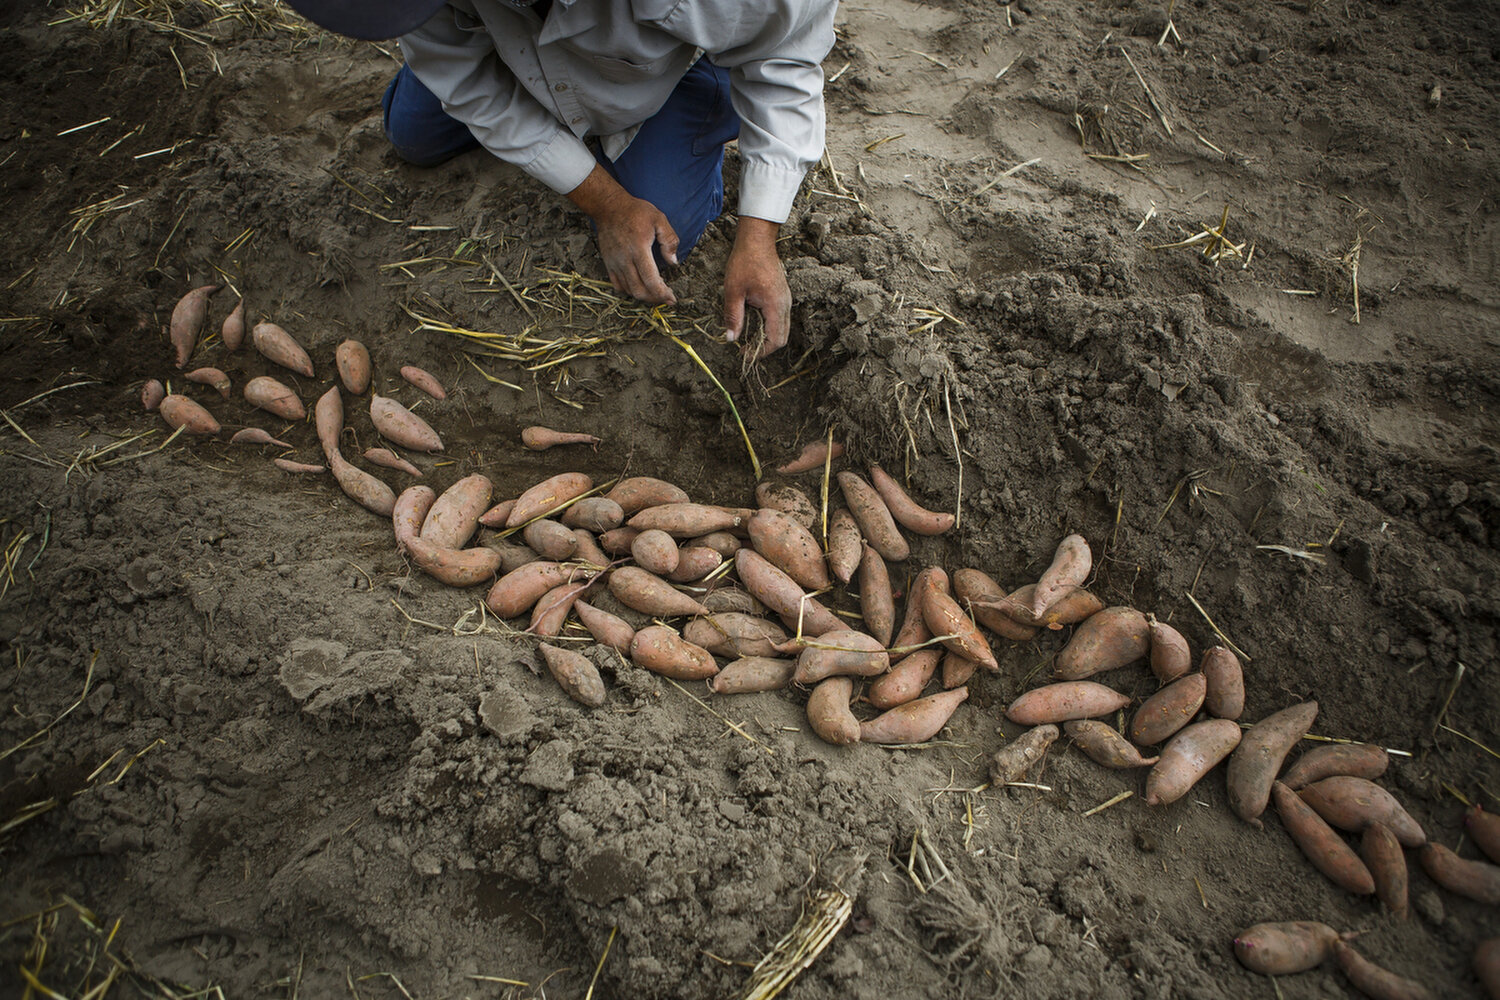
x=734 y=726
x=1107 y=803
x=1217 y=631
x=822 y=918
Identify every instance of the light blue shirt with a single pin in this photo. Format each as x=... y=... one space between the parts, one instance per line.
x=532 y=91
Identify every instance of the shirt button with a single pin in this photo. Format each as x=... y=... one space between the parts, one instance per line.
x=560 y=87
x=577 y=121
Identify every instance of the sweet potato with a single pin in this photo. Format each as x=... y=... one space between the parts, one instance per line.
x=788 y=499
x=550 y=540
x=750 y=674
x=274 y=397
x=361 y=487
x=543 y=499
x=876 y=603
x=1067 y=700
x=1382 y=855
x=814 y=455
x=233 y=330
x=188 y=317
x=328 y=417
x=1226 y=683
x=553 y=607
x=212 y=377
x=1071 y=607
x=1486 y=963
x=1070 y=568
x=845 y=545
x=655 y=552
x=1190 y=755
x=1322 y=845
x=617 y=541
x=694 y=562
x=841 y=652
x=907 y=512
x=734 y=634
x=726 y=599
x=1477 y=880
x=497 y=515
x=1170 y=656
x=873 y=517
x=1021 y=754
x=1281 y=949
x=722 y=542
x=396 y=423
x=913 y=632
x=290 y=465
x=539 y=438
x=684 y=520
x=254 y=435
x=575 y=674
x=956 y=670
x=945 y=618
x=594 y=513
x=517 y=592
x=512 y=555
x=411 y=507
x=1258 y=758
x=352 y=359
x=639 y=492
x=454 y=518
x=424 y=380
x=1374 y=981
x=905 y=680
x=1112 y=638
x=1359 y=760
x=1167 y=711
x=152 y=393
x=780 y=593
x=455 y=567
x=390 y=460
x=914 y=722
x=662 y=651
x=650 y=594
x=1103 y=744
x=179 y=411
x=986 y=600
x=828 y=711
x=279 y=347
x=1484 y=829
x=789 y=546
x=607 y=629
x=1354 y=803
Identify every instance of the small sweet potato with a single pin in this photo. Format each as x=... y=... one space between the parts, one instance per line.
x=789 y=546
x=411 y=507
x=914 y=631
x=1167 y=711
x=662 y=651
x=1374 y=981
x=575 y=674
x=550 y=540
x=1354 y=803
x=543 y=499
x=908 y=513
x=1112 y=638
x=1103 y=744
x=1063 y=701
x=328 y=417
x=512 y=555
x=290 y=465
x=650 y=594
x=390 y=460
x=914 y=722
x=1070 y=568
x=361 y=487
x=1323 y=846
x=254 y=435
x=722 y=542
x=750 y=674
x=1021 y=754
x=279 y=347
x=1486 y=963
x=152 y=393
x=873 y=517
x=694 y=562
x=945 y=618
x=274 y=397
x=517 y=592
x=454 y=518
x=876 y=603
x=841 y=652
x=179 y=411
x=789 y=500
x=1476 y=880
x=1383 y=856
x=655 y=552
x=609 y=630
x=539 y=438
x=1258 y=758
x=956 y=670
x=639 y=492
x=1281 y=949
x=1190 y=755
x=553 y=607
x=684 y=520
x=396 y=423
x=588 y=551
x=828 y=711
x=1170 y=656
x=455 y=567
x=617 y=541
x=424 y=380
x=497 y=515
x=1358 y=760
x=1226 y=683
x=594 y=513
x=188 y=317
x=814 y=455
x=845 y=545
x=1484 y=829
x=212 y=377
x=905 y=680
x=780 y=593
x=987 y=602
x=734 y=634
x=1071 y=607
x=233 y=330
x=352 y=359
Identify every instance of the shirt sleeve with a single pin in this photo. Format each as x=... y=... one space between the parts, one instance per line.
x=461 y=68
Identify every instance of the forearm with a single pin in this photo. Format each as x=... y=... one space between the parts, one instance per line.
x=756 y=235
x=599 y=194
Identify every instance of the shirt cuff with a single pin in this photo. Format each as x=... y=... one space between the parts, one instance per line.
x=563 y=163
x=767 y=192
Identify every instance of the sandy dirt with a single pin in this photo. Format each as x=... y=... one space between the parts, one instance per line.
x=265 y=754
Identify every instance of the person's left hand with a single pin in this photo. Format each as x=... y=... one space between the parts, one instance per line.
x=754 y=276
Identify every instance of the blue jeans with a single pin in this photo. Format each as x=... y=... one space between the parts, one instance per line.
x=676 y=160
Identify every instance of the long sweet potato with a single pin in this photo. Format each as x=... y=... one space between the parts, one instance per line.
x=828 y=711
x=987 y=601
x=411 y=507
x=188 y=317
x=1063 y=701
x=1374 y=981
x=734 y=634
x=575 y=674
x=255 y=436
x=424 y=380
x=361 y=487
x=914 y=722
x=179 y=411
x=1484 y=829
x=455 y=567
x=1258 y=758
x=1358 y=760
x=553 y=607
x=594 y=513
x=1226 y=683
x=517 y=592
x=813 y=456
x=1190 y=755
x=396 y=423
x=539 y=438
x=684 y=520
x=588 y=551
x=662 y=651
x=1112 y=638
x=547 y=496
x=908 y=513
x=1281 y=949
x=845 y=545
x=454 y=518
x=1476 y=880
x=352 y=359
x=497 y=515
x=1104 y=745
x=1167 y=711
x=840 y=652
x=873 y=517
x=1069 y=608
x=876 y=603
x=609 y=630
x=650 y=594
x=1070 y=568
x=1170 y=656
x=914 y=631
x=274 y=397
x=905 y=681
x=750 y=674
x=390 y=460
x=946 y=619
x=292 y=465
x=789 y=546
x=278 y=346
x=1383 y=856
x=1354 y=803
x=328 y=417
x=233 y=330
x=549 y=539
x=213 y=377
x=780 y=593
x=1324 y=847
x=639 y=492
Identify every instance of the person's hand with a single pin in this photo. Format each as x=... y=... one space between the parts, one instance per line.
x=754 y=277
x=629 y=230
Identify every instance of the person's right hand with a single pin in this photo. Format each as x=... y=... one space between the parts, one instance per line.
x=630 y=228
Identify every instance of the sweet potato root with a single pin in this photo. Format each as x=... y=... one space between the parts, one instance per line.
x=595 y=514
x=734 y=634
x=1282 y=949
x=650 y=594
x=1354 y=803
x=361 y=487
x=908 y=513
x=328 y=418
x=1070 y=568
x=780 y=593
x=179 y=411
x=390 y=460
x=722 y=542
x=411 y=507
x=1322 y=845
x=279 y=347
x=655 y=551
x=274 y=397
x=828 y=711
x=639 y=492
x=254 y=435
x=553 y=607
x=291 y=465
x=1484 y=829
x=1374 y=981
x=1476 y=880
x=1021 y=754
x=945 y=618
x=873 y=517
x=1069 y=608
x=543 y=499
x=1064 y=701
x=987 y=601
x=840 y=652
x=662 y=651
x=352 y=359
x=152 y=393
x=789 y=500
x=497 y=515
x=876 y=603
x=684 y=520
x=1226 y=683
x=956 y=670
x=212 y=377
x=396 y=423
x=424 y=380
x=550 y=539
x=1103 y=744
x=539 y=438
x=575 y=674
x=617 y=541
x=1190 y=755
x=1167 y=711
x=1112 y=638
x=914 y=722
x=455 y=567
x=233 y=330
x=517 y=592
x=905 y=681
x=1358 y=760
x=188 y=317
x=750 y=674
x=607 y=629
x=694 y=562
x=1258 y=758
x=1170 y=656
x=1383 y=856
x=454 y=518
x=814 y=455
x=845 y=545
x=788 y=545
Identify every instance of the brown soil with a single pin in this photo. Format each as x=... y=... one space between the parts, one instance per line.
x=327 y=795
